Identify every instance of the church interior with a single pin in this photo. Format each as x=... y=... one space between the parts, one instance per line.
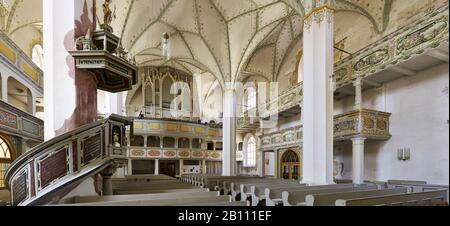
x=224 y=103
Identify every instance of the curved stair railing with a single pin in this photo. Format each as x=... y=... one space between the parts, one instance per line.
x=51 y=170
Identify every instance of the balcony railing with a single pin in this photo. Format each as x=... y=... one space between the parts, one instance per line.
x=13 y=56
x=370 y=124
x=174 y=153
x=20 y=123
x=64 y=162
x=375 y=126
x=176 y=128
x=426 y=33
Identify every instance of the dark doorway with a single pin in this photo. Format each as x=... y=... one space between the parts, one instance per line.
x=143 y=167
x=169 y=168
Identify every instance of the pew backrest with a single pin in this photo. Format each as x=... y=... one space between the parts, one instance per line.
x=329 y=199
x=406 y=182
x=161 y=202
x=294 y=198
x=422 y=199
x=276 y=193
x=92 y=199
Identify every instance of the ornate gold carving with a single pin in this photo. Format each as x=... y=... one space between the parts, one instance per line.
x=154 y=153
x=184 y=154
x=108 y=16
x=170 y=154
x=138 y=153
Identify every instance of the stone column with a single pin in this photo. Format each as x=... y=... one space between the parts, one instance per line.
x=156 y=166
x=276 y=166
x=181 y=166
x=70 y=94
x=31 y=102
x=229 y=132
x=204 y=167
x=145 y=141
x=358 y=160
x=358 y=94
x=130 y=167
x=5 y=87
x=318 y=41
x=107 y=181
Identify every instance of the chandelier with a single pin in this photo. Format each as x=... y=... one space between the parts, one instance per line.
x=166 y=47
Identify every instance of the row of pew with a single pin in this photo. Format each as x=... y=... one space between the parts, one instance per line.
x=154 y=191
x=279 y=192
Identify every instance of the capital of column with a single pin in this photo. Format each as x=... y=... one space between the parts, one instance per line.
x=229 y=87
x=358 y=140
x=318 y=14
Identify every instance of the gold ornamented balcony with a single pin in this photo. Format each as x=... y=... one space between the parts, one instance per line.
x=19 y=123
x=168 y=139
x=374 y=126
x=371 y=124
x=19 y=62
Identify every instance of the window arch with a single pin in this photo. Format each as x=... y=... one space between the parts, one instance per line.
x=6 y=158
x=37 y=55
x=250 y=153
x=249 y=101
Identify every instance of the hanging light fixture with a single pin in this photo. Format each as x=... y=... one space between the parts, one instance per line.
x=166 y=50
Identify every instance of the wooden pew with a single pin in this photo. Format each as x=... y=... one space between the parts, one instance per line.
x=258 y=191
x=221 y=204
x=406 y=182
x=245 y=187
x=274 y=196
x=125 y=184
x=215 y=183
x=412 y=199
x=160 y=202
x=296 y=198
x=155 y=191
x=330 y=199
x=93 y=199
x=226 y=185
x=416 y=188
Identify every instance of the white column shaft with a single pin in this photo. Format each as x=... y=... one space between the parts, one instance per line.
x=229 y=133
x=156 y=166
x=181 y=166
x=5 y=88
x=318 y=99
x=204 y=167
x=358 y=94
x=358 y=160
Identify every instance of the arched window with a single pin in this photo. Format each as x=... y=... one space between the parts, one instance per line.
x=250 y=153
x=6 y=159
x=249 y=100
x=37 y=55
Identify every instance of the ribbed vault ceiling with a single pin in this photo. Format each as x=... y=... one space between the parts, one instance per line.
x=223 y=37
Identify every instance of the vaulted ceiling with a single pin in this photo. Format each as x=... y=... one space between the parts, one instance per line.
x=22 y=21
x=223 y=37
x=217 y=37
